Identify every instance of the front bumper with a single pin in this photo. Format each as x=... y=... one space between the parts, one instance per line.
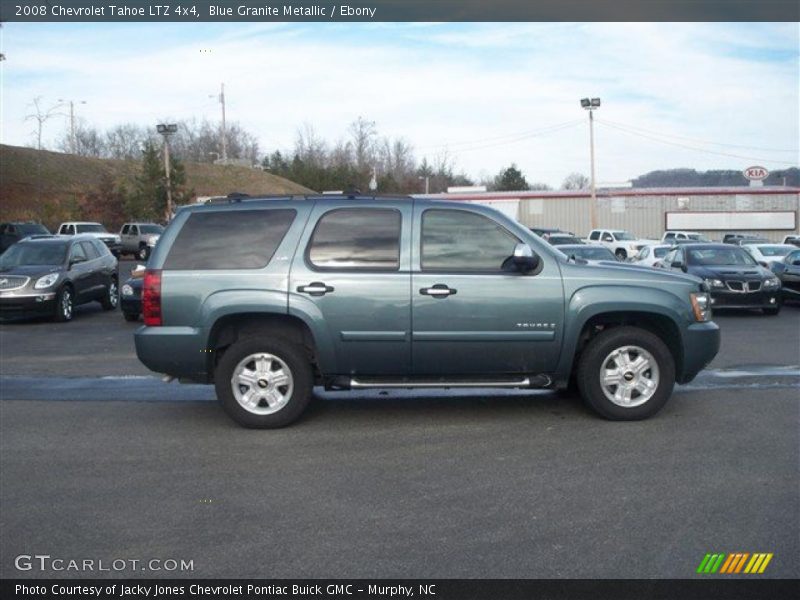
x=700 y=346
x=28 y=304
x=790 y=289
x=721 y=299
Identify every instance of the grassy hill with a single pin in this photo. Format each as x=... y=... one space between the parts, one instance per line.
x=50 y=186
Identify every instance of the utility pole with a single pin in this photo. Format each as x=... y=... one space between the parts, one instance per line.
x=224 y=132
x=591 y=105
x=427 y=183
x=73 y=143
x=166 y=131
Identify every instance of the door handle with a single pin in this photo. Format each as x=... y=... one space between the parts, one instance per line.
x=440 y=290
x=315 y=288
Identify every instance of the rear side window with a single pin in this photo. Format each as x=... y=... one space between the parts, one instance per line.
x=240 y=239
x=357 y=238
x=457 y=240
x=90 y=251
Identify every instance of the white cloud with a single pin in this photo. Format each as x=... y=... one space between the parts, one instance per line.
x=434 y=84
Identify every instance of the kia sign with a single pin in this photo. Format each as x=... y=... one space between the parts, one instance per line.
x=756 y=173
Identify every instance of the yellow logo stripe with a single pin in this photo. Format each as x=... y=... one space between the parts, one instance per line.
x=753 y=564
x=765 y=563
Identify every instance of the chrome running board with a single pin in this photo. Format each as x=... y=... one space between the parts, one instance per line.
x=538 y=381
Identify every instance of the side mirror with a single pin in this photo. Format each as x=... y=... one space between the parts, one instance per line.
x=678 y=265
x=524 y=258
x=76 y=260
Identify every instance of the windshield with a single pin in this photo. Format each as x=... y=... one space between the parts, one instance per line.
x=775 y=250
x=33 y=254
x=557 y=240
x=32 y=229
x=90 y=228
x=719 y=257
x=699 y=237
x=591 y=253
x=151 y=229
x=623 y=235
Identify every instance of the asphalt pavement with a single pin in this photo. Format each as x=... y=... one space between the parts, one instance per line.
x=99 y=459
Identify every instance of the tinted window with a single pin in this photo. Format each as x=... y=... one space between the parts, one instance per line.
x=33 y=229
x=90 y=228
x=133 y=230
x=720 y=256
x=669 y=236
x=595 y=235
x=457 y=240
x=125 y=230
x=357 y=238
x=101 y=248
x=151 y=229
x=77 y=252
x=89 y=250
x=240 y=239
x=660 y=252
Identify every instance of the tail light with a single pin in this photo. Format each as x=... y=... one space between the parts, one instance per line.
x=151 y=298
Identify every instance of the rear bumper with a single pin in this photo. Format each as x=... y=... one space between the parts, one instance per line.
x=176 y=351
x=700 y=346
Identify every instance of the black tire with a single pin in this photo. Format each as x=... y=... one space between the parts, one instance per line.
x=63 y=313
x=300 y=370
x=772 y=312
x=110 y=299
x=143 y=253
x=597 y=353
x=131 y=316
x=621 y=254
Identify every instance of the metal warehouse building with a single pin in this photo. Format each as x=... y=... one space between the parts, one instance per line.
x=771 y=212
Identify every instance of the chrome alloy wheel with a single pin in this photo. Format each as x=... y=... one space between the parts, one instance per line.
x=66 y=304
x=113 y=294
x=629 y=376
x=262 y=383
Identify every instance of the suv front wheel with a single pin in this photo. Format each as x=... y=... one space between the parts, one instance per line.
x=264 y=384
x=626 y=374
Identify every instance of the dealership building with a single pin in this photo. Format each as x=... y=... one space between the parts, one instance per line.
x=770 y=211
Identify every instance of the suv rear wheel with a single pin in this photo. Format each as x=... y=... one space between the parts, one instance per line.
x=143 y=253
x=264 y=384
x=626 y=374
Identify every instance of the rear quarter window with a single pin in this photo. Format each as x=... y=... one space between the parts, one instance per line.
x=241 y=239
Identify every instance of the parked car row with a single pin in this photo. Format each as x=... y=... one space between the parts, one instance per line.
x=744 y=271
x=134 y=238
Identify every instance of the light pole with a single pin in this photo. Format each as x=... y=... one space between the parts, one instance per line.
x=167 y=130
x=72 y=142
x=221 y=98
x=427 y=183
x=591 y=104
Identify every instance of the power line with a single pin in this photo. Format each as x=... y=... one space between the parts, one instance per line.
x=520 y=138
x=511 y=136
x=695 y=148
x=680 y=137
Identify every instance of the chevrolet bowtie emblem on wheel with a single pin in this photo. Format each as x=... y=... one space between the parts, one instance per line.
x=735 y=563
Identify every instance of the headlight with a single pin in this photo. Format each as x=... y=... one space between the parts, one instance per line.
x=151 y=241
x=46 y=281
x=772 y=282
x=701 y=306
x=714 y=283
x=127 y=290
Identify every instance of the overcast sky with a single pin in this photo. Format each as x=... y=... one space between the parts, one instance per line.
x=490 y=94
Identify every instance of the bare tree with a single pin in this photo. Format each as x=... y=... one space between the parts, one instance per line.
x=575 y=181
x=124 y=142
x=87 y=141
x=363 y=134
x=41 y=115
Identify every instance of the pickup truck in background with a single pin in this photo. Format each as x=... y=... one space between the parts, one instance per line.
x=695 y=236
x=619 y=241
x=139 y=238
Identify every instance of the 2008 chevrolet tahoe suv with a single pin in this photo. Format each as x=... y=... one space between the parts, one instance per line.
x=267 y=297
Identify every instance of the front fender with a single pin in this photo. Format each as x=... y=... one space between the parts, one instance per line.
x=593 y=300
